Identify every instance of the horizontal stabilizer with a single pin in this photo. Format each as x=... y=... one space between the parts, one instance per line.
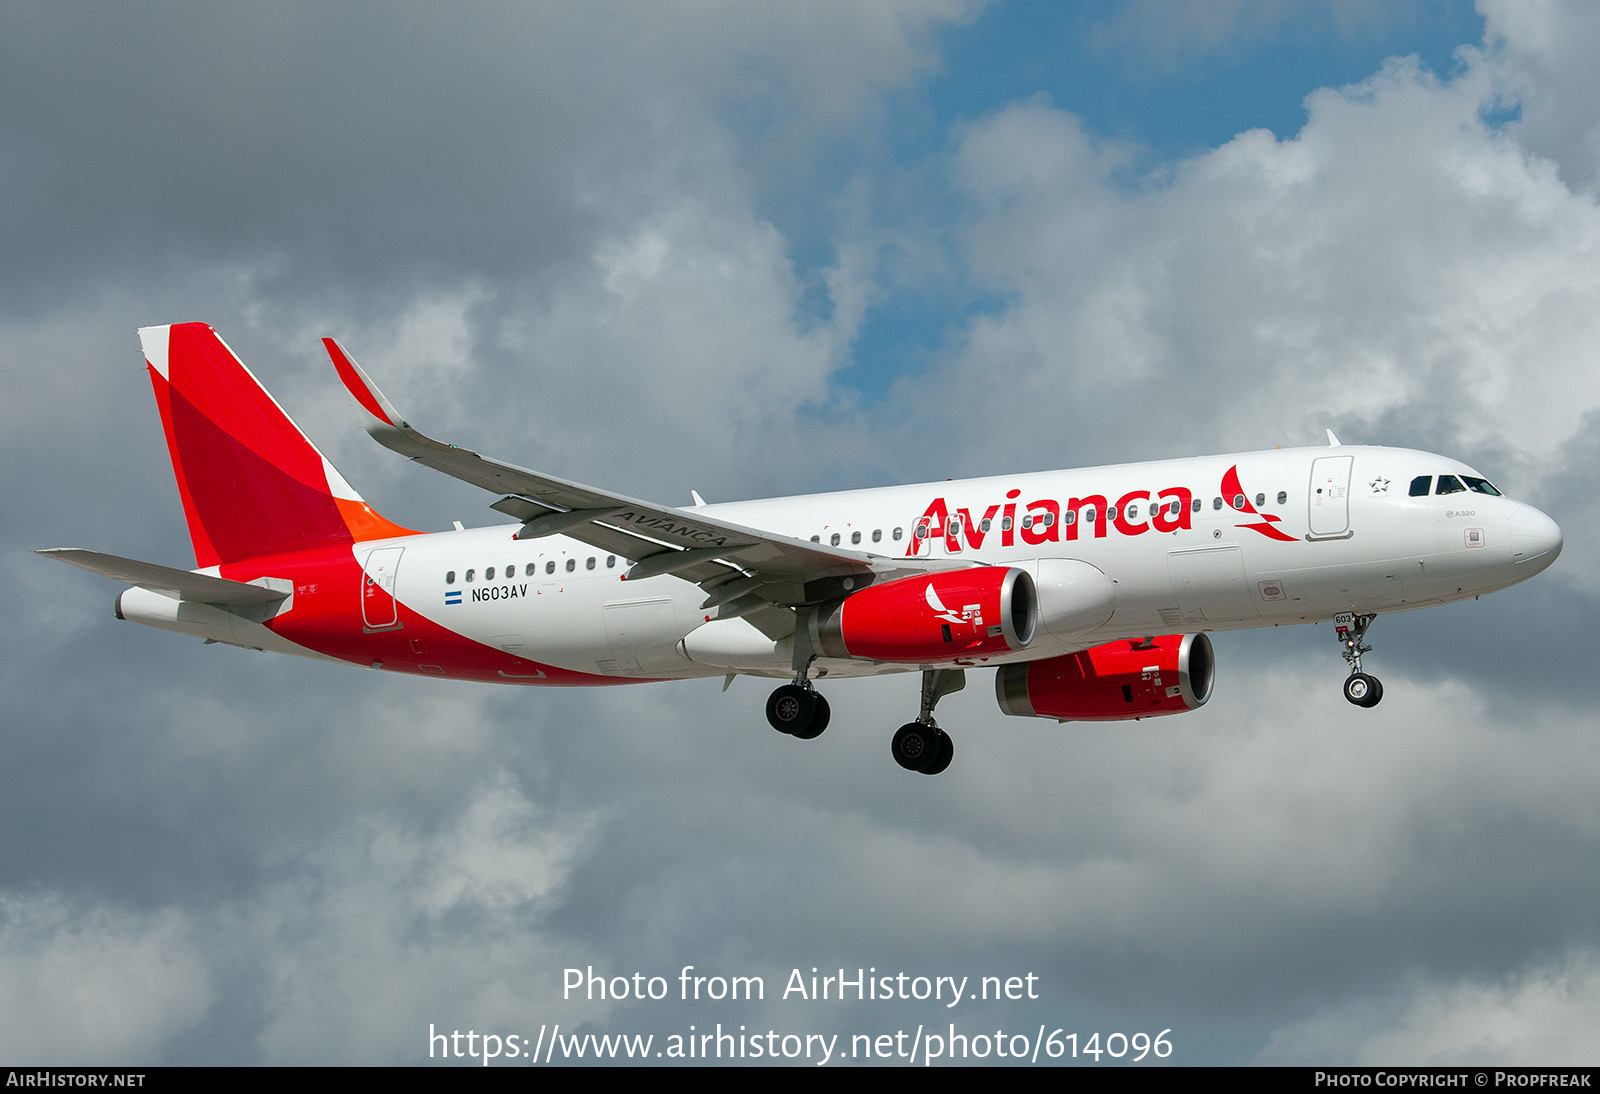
x=179 y=584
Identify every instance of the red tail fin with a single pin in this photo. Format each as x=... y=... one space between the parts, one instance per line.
x=252 y=484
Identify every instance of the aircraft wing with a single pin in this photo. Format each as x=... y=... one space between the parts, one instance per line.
x=178 y=584
x=657 y=539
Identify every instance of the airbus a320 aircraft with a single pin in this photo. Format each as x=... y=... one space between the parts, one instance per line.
x=1089 y=591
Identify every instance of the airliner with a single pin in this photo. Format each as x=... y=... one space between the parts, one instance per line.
x=1090 y=592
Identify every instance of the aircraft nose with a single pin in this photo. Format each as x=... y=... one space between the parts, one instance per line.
x=1535 y=540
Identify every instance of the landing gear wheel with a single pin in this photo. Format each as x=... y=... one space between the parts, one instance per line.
x=1363 y=690
x=819 y=719
x=792 y=709
x=946 y=752
x=915 y=744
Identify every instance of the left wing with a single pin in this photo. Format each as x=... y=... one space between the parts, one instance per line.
x=731 y=561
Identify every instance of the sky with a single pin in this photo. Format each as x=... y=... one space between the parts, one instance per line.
x=761 y=249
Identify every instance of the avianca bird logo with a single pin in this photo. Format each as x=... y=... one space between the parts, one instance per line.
x=1236 y=498
x=972 y=614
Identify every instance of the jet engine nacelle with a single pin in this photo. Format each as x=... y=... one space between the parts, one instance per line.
x=947 y=616
x=1119 y=680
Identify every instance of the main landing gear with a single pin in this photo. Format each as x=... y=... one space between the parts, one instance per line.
x=800 y=711
x=1360 y=688
x=797 y=709
x=922 y=745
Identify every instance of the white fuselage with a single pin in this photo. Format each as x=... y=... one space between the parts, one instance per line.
x=1319 y=532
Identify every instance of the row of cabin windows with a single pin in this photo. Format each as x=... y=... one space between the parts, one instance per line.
x=531 y=569
x=855 y=537
x=1450 y=484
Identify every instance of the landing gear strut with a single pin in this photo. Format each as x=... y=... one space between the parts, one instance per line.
x=1359 y=688
x=798 y=709
x=922 y=745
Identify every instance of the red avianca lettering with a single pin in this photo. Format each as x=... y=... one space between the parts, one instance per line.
x=1046 y=520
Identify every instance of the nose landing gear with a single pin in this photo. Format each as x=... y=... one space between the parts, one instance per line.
x=1359 y=688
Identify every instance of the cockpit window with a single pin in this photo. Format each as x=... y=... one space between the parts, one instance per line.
x=1480 y=486
x=1421 y=485
x=1449 y=484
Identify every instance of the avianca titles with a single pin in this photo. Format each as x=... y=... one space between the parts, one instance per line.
x=1089 y=592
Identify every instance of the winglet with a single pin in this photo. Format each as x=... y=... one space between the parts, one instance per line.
x=361 y=386
x=1333 y=442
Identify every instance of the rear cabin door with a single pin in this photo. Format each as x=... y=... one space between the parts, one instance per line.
x=379 y=612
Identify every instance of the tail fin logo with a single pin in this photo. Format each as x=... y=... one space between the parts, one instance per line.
x=252 y=483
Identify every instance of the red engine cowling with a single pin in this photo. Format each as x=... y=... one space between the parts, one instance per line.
x=1113 y=682
x=947 y=616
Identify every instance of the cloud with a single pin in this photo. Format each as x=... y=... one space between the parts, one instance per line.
x=96 y=984
x=1544 y=51
x=1401 y=270
x=1542 y=1016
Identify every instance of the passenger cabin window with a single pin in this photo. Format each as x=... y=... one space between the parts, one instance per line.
x=572 y=564
x=816 y=539
x=1449 y=484
x=1261 y=499
x=855 y=537
x=983 y=525
x=550 y=567
x=1196 y=506
x=897 y=535
x=833 y=540
x=611 y=562
x=450 y=577
x=532 y=569
x=1238 y=501
x=1069 y=517
x=1283 y=497
x=1216 y=503
x=1005 y=524
x=488 y=575
x=877 y=534
x=469 y=574
x=589 y=563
